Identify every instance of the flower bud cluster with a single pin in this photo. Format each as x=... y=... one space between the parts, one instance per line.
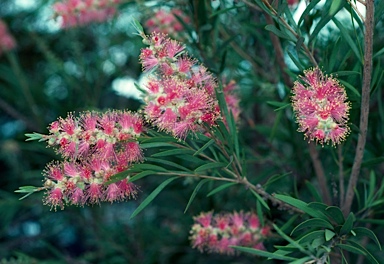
x=81 y=12
x=166 y=22
x=321 y=107
x=181 y=93
x=94 y=147
x=7 y=42
x=216 y=233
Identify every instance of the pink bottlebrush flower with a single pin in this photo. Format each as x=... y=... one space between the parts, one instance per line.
x=76 y=196
x=112 y=193
x=54 y=198
x=181 y=93
x=128 y=189
x=214 y=233
x=81 y=12
x=54 y=171
x=321 y=107
x=204 y=219
x=94 y=193
x=94 y=146
x=166 y=22
x=7 y=41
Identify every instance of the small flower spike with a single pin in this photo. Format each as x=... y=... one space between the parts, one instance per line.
x=216 y=233
x=94 y=146
x=181 y=93
x=320 y=104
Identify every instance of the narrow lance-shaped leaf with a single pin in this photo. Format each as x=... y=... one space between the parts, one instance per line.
x=152 y=196
x=313 y=223
x=300 y=205
x=198 y=186
x=206 y=145
x=263 y=253
x=220 y=188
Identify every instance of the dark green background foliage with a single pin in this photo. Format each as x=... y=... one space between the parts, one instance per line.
x=53 y=72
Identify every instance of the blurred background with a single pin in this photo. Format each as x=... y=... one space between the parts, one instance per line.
x=52 y=71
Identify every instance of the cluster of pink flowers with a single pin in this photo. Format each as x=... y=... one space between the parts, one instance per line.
x=94 y=147
x=321 y=107
x=181 y=93
x=7 y=42
x=166 y=22
x=216 y=233
x=80 y=12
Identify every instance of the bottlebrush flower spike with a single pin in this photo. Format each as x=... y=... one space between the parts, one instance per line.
x=181 y=93
x=216 y=233
x=321 y=107
x=166 y=22
x=94 y=147
x=81 y=12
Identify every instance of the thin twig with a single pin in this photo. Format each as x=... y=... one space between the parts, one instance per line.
x=364 y=113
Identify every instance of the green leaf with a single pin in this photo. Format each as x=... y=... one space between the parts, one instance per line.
x=210 y=166
x=34 y=136
x=308 y=9
x=279 y=33
x=141 y=175
x=118 y=177
x=309 y=237
x=348 y=39
x=296 y=61
x=372 y=187
x=329 y=234
x=351 y=248
x=347 y=227
x=144 y=166
x=152 y=196
x=313 y=191
x=275 y=178
x=225 y=10
x=206 y=145
x=260 y=199
x=300 y=205
x=263 y=253
x=137 y=26
x=279 y=105
x=302 y=260
x=367 y=254
x=169 y=163
x=313 y=223
x=334 y=213
x=27 y=189
x=198 y=186
x=290 y=240
x=155 y=145
x=350 y=87
x=220 y=188
x=172 y=152
x=319 y=26
x=346 y=73
x=365 y=232
x=335 y=6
